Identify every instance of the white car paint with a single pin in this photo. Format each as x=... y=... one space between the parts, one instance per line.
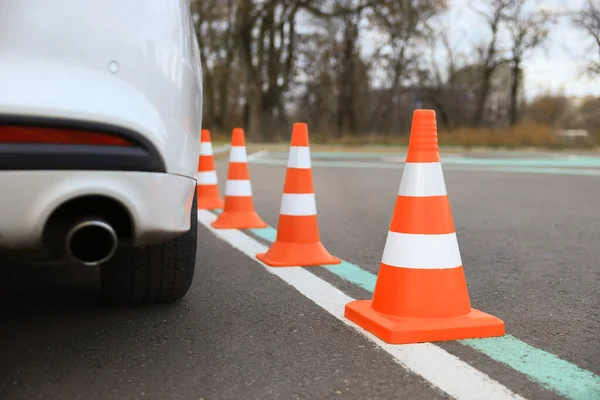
x=133 y=64
x=55 y=60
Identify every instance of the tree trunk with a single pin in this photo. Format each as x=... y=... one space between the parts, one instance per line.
x=483 y=96
x=514 y=91
x=340 y=115
x=246 y=114
x=346 y=118
x=224 y=100
x=209 y=101
x=262 y=119
x=255 y=114
x=267 y=126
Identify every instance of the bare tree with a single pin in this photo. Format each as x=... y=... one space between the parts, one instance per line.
x=339 y=72
x=348 y=58
x=528 y=30
x=339 y=21
x=439 y=82
x=318 y=62
x=588 y=21
x=267 y=39
x=443 y=75
x=267 y=60
x=214 y=22
x=406 y=24
x=494 y=13
x=268 y=42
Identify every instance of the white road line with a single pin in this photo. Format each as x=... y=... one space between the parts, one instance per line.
x=392 y=159
x=442 y=369
x=222 y=149
x=258 y=154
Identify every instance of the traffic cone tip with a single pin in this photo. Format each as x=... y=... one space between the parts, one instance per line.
x=423 y=142
x=300 y=135
x=237 y=138
x=205 y=136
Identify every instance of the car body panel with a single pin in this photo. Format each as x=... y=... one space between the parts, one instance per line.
x=133 y=64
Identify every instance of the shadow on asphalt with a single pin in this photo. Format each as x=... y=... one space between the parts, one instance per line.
x=63 y=290
x=39 y=299
x=26 y=286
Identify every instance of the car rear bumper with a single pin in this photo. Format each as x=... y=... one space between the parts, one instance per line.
x=159 y=203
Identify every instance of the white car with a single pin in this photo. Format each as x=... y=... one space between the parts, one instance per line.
x=100 y=116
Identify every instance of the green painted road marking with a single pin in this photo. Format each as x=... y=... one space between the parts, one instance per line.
x=446 y=166
x=545 y=368
x=351 y=154
x=526 y=162
x=542 y=367
x=513 y=160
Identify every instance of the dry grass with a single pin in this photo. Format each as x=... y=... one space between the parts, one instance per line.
x=530 y=135
x=523 y=135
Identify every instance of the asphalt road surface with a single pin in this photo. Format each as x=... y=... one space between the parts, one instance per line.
x=529 y=243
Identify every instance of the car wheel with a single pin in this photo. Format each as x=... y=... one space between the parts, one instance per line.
x=152 y=274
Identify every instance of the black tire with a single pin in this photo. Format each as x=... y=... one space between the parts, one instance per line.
x=152 y=274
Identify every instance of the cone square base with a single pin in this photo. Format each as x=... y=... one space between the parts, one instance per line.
x=282 y=254
x=393 y=330
x=238 y=220
x=210 y=203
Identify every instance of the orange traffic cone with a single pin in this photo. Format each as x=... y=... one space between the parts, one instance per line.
x=207 y=185
x=298 y=242
x=238 y=212
x=421 y=294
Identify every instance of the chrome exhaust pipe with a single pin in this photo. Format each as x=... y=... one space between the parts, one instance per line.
x=91 y=242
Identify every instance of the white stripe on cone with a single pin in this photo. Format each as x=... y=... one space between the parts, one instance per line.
x=206 y=178
x=418 y=251
x=422 y=180
x=235 y=187
x=298 y=204
x=238 y=154
x=299 y=157
x=206 y=149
